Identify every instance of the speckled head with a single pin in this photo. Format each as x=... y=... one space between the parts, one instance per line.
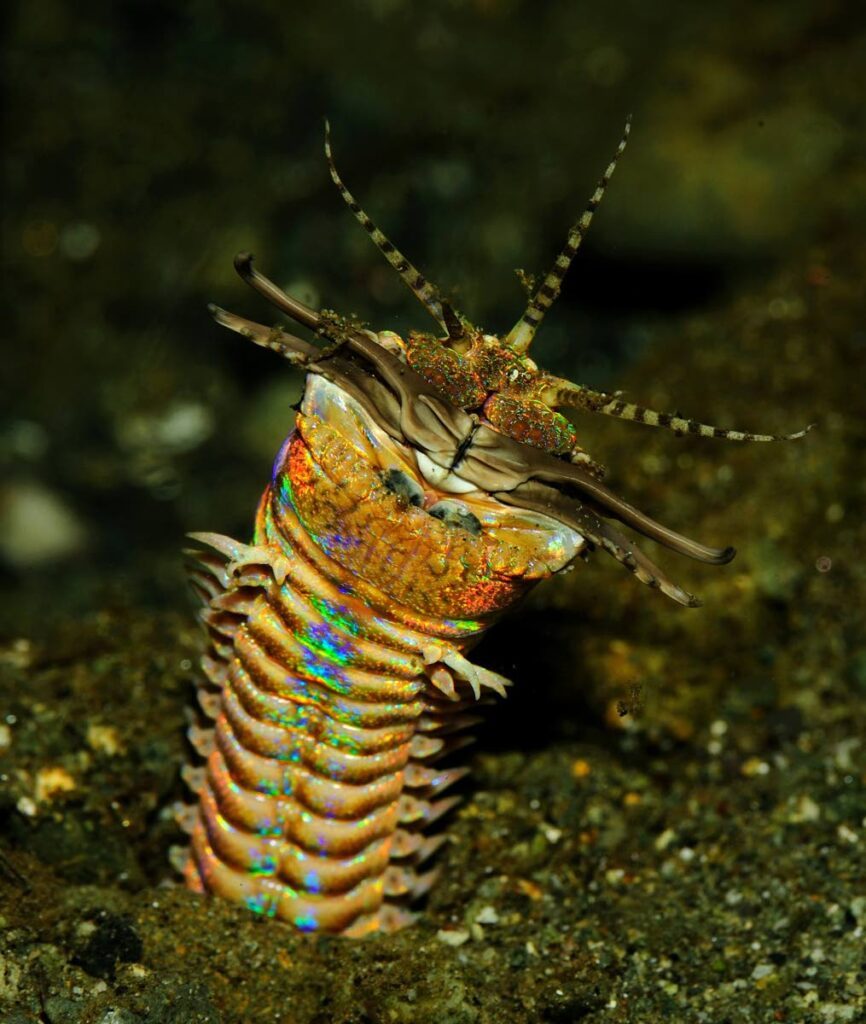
x=476 y=411
x=363 y=498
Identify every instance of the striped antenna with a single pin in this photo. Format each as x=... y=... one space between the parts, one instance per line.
x=521 y=334
x=576 y=397
x=422 y=289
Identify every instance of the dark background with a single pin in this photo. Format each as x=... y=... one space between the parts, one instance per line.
x=147 y=142
x=664 y=821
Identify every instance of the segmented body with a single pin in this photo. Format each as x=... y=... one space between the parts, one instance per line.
x=337 y=675
x=427 y=484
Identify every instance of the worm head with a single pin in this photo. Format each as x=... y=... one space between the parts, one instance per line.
x=477 y=410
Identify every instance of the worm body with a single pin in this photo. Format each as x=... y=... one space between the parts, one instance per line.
x=337 y=672
x=426 y=484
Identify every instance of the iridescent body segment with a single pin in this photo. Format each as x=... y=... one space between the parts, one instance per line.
x=426 y=485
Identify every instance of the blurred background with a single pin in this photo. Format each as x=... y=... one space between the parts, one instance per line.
x=147 y=142
x=668 y=811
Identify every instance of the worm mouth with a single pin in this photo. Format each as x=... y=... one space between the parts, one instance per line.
x=412 y=412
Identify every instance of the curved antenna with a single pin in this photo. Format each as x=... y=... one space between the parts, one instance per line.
x=521 y=334
x=576 y=397
x=296 y=309
x=612 y=506
x=601 y=534
x=405 y=382
x=420 y=287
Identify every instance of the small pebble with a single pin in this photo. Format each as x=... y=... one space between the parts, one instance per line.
x=26 y=806
x=665 y=839
x=51 y=781
x=754 y=766
x=104 y=739
x=37 y=526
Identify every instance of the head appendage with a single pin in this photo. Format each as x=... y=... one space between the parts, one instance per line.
x=454 y=324
x=582 y=492
x=277 y=340
x=296 y=309
x=424 y=291
x=576 y=397
x=520 y=336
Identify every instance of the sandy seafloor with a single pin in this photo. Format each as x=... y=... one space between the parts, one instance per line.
x=666 y=821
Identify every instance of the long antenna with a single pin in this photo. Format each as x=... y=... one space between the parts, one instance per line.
x=521 y=334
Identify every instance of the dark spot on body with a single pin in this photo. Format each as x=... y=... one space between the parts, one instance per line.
x=400 y=483
x=453 y=513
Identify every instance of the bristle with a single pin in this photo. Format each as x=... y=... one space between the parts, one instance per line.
x=178 y=857
x=201 y=740
x=186 y=816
